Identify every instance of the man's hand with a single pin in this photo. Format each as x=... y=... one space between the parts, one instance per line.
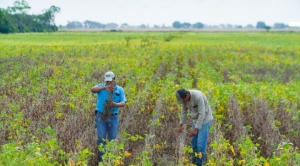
x=109 y=87
x=111 y=104
x=180 y=127
x=194 y=132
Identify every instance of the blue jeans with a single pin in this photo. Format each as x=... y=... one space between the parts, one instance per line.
x=199 y=143
x=106 y=129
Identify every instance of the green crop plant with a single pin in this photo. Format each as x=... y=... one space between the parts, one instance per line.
x=250 y=78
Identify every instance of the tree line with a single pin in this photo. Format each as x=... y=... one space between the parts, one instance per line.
x=15 y=19
x=176 y=24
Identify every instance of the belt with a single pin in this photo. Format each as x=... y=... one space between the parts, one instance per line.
x=112 y=114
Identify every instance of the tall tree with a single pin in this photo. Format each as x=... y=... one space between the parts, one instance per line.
x=49 y=15
x=260 y=25
x=198 y=25
x=186 y=25
x=18 y=15
x=280 y=26
x=5 y=25
x=177 y=24
x=16 y=19
x=20 y=7
x=47 y=18
x=112 y=25
x=93 y=24
x=74 y=25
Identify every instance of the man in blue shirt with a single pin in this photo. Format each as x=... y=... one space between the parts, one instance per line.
x=110 y=97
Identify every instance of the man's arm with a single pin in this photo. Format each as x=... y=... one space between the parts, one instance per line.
x=100 y=87
x=182 y=118
x=120 y=104
x=183 y=114
x=97 y=88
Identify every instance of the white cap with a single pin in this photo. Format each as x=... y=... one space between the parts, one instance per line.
x=109 y=76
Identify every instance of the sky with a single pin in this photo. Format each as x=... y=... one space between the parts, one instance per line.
x=165 y=12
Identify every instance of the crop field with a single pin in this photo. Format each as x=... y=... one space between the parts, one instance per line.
x=252 y=81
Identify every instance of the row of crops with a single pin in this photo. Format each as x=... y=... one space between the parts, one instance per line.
x=251 y=79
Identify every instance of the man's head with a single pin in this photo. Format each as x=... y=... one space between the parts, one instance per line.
x=109 y=76
x=182 y=96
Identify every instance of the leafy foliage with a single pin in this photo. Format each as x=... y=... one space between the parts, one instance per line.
x=16 y=19
x=251 y=81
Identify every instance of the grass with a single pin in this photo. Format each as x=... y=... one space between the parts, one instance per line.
x=250 y=78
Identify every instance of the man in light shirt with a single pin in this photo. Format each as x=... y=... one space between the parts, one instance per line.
x=196 y=102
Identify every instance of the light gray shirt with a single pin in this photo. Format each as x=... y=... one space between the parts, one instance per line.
x=199 y=108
